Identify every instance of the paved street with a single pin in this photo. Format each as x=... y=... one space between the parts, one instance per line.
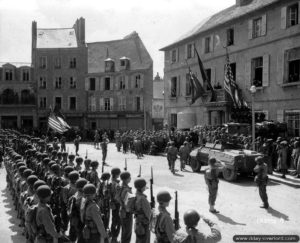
x=238 y=202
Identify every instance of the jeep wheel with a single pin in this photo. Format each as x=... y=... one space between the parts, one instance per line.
x=195 y=165
x=229 y=174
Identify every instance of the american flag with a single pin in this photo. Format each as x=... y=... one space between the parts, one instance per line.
x=55 y=123
x=197 y=88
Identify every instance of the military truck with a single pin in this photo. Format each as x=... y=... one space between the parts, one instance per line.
x=234 y=160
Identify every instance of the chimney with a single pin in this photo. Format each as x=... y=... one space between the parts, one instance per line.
x=33 y=41
x=240 y=3
x=81 y=23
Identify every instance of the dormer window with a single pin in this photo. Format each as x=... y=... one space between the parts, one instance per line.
x=8 y=74
x=124 y=63
x=109 y=65
x=25 y=74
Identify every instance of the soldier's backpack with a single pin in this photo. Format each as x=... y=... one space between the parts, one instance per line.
x=118 y=193
x=30 y=219
x=130 y=202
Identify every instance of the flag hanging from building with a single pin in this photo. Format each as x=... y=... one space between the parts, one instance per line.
x=197 y=88
x=204 y=77
x=231 y=86
x=57 y=123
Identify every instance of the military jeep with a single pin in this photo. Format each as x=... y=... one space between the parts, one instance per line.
x=232 y=157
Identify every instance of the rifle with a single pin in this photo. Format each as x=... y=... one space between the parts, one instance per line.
x=152 y=203
x=102 y=168
x=86 y=154
x=176 y=220
x=140 y=171
x=125 y=168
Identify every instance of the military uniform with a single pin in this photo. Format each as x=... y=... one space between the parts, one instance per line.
x=172 y=155
x=261 y=180
x=115 y=206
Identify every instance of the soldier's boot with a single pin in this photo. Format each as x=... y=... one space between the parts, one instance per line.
x=212 y=209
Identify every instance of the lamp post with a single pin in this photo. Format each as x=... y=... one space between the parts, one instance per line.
x=253 y=91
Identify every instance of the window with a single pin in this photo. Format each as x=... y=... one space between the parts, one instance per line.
x=208 y=74
x=109 y=65
x=107 y=104
x=72 y=83
x=123 y=63
x=43 y=62
x=122 y=103
x=257 y=27
x=137 y=81
x=293 y=123
x=8 y=74
x=43 y=102
x=122 y=82
x=92 y=84
x=174 y=87
x=292 y=15
x=42 y=83
x=257 y=71
x=294 y=71
x=57 y=102
x=92 y=103
x=25 y=97
x=173 y=120
x=188 y=86
x=57 y=62
x=73 y=62
x=207 y=45
x=190 y=51
x=107 y=83
x=230 y=37
x=174 y=55
x=260 y=116
x=72 y=103
x=233 y=70
x=138 y=103
x=58 y=83
x=25 y=75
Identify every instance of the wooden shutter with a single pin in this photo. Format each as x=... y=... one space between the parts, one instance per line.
x=193 y=49
x=132 y=81
x=177 y=55
x=102 y=81
x=178 y=86
x=142 y=81
x=203 y=46
x=183 y=90
x=87 y=83
x=124 y=102
x=126 y=82
x=93 y=103
x=280 y=115
x=111 y=102
x=248 y=74
x=283 y=18
x=211 y=43
x=280 y=67
x=97 y=85
x=142 y=102
x=111 y=83
x=264 y=24
x=250 y=29
x=266 y=68
x=186 y=51
x=171 y=61
x=213 y=76
x=101 y=102
x=266 y=114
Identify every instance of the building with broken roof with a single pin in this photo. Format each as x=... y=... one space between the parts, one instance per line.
x=59 y=58
x=262 y=39
x=119 y=84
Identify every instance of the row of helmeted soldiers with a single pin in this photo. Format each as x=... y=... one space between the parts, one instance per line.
x=58 y=201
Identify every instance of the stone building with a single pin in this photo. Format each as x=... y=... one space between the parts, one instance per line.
x=59 y=57
x=119 y=84
x=17 y=96
x=263 y=42
x=158 y=103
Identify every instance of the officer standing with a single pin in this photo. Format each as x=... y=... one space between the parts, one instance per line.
x=261 y=180
x=212 y=181
x=184 y=152
x=76 y=143
x=192 y=234
x=103 y=144
x=172 y=155
x=142 y=212
x=164 y=228
x=90 y=215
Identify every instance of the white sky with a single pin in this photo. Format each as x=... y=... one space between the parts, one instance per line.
x=158 y=22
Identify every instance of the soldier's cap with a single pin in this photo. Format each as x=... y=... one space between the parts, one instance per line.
x=20 y=163
x=27 y=173
x=191 y=218
x=17 y=156
x=73 y=175
x=172 y=143
x=140 y=183
x=64 y=154
x=163 y=196
x=259 y=160
x=279 y=139
x=212 y=160
x=59 y=153
x=105 y=176
x=68 y=169
x=269 y=140
x=22 y=169
x=46 y=161
x=115 y=171
x=37 y=184
x=185 y=142
x=296 y=144
x=31 y=179
x=54 y=152
x=125 y=175
x=89 y=189
x=43 y=191
x=52 y=162
x=50 y=149
x=79 y=160
x=94 y=163
x=55 y=167
x=71 y=156
x=27 y=151
x=87 y=162
x=44 y=155
x=80 y=183
x=284 y=143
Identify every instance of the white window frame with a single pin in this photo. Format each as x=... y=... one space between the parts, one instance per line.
x=257 y=28
x=107 y=106
x=11 y=74
x=58 y=82
x=73 y=62
x=122 y=103
x=42 y=62
x=57 y=62
x=73 y=84
x=26 y=72
x=42 y=82
x=44 y=101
